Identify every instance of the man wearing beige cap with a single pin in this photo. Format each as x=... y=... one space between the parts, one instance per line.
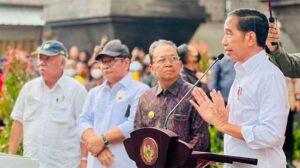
x=46 y=111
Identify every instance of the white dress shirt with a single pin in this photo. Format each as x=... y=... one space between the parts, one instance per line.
x=49 y=121
x=107 y=108
x=258 y=102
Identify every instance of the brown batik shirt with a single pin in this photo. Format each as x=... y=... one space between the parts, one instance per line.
x=185 y=122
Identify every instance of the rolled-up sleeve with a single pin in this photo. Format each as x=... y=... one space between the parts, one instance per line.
x=18 y=110
x=127 y=126
x=272 y=120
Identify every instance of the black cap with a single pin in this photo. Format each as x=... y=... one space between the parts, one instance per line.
x=114 y=48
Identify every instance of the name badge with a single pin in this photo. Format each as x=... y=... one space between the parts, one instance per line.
x=121 y=95
x=239 y=92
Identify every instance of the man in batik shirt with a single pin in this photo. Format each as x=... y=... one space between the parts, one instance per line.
x=156 y=103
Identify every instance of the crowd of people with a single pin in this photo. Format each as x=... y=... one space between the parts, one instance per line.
x=81 y=107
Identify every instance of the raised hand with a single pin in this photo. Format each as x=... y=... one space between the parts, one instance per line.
x=273 y=36
x=212 y=111
x=203 y=104
x=221 y=112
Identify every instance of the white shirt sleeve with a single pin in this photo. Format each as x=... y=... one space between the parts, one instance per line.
x=273 y=113
x=19 y=107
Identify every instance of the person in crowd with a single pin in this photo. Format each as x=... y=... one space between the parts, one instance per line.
x=147 y=76
x=255 y=119
x=190 y=66
x=288 y=63
x=46 y=112
x=74 y=53
x=84 y=56
x=136 y=70
x=70 y=68
x=82 y=72
x=222 y=77
x=96 y=76
x=108 y=114
x=97 y=49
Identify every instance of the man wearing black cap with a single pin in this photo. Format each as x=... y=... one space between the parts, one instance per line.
x=108 y=114
x=46 y=112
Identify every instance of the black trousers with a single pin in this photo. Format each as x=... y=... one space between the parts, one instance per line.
x=289 y=138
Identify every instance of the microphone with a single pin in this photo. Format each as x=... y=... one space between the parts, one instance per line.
x=272 y=20
x=189 y=91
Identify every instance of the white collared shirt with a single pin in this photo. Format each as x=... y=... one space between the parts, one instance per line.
x=258 y=102
x=49 y=121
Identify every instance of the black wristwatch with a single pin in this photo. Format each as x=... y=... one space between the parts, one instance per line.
x=105 y=141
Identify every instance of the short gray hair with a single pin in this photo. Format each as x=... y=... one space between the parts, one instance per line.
x=157 y=43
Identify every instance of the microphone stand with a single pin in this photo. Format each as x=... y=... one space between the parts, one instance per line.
x=187 y=93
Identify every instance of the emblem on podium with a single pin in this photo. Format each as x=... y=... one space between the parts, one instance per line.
x=149 y=151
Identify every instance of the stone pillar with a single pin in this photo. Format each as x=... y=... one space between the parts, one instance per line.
x=288 y=14
x=135 y=22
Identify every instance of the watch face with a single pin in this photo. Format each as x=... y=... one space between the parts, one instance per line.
x=105 y=141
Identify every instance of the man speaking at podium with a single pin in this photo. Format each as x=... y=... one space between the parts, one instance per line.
x=156 y=103
x=255 y=119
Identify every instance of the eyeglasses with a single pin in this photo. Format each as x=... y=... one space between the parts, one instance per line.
x=109 y=61
x=163 y=61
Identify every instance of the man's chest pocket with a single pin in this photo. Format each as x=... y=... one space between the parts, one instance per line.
x=31 y=111
x=179 y=118
x=61 y=113
x=58 y=122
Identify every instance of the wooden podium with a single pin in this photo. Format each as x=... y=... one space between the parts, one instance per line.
x=161 y=148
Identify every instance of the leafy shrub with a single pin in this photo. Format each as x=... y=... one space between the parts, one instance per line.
x=296 y=140
x=15 y=78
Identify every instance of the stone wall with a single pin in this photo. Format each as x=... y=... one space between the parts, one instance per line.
x=287 y=13
x=24 y=2
x=136 y=22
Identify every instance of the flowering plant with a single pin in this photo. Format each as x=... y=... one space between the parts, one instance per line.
x=15 y=76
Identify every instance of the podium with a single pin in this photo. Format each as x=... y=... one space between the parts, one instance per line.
x=14 y=161
x=161 y=148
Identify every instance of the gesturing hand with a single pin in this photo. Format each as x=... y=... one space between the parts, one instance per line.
x=213 y=112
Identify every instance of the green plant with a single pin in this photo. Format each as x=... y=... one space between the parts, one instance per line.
x=216 y=140
x=15 y=78
x=296 y=141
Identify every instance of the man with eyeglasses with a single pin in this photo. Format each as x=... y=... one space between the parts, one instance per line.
x=156 y=103
x=46 y=111
x=108 y=114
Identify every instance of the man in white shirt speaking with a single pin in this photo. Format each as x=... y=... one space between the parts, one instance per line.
x=254 y=121
x=46 y=112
